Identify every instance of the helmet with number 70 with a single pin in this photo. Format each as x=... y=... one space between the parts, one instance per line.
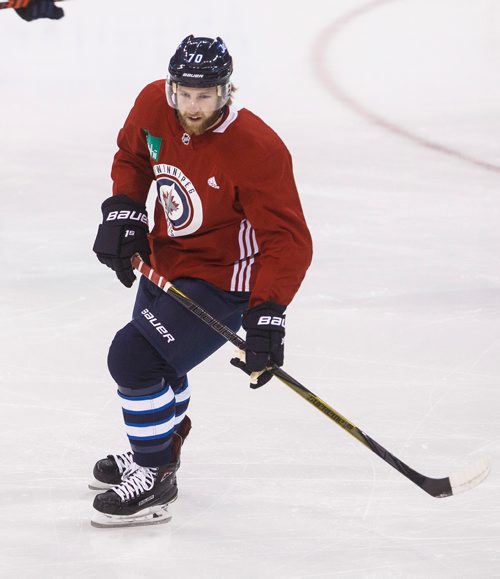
x=200 y=62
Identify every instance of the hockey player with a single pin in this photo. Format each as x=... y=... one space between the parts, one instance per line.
x=34 y=9
x=228 y=230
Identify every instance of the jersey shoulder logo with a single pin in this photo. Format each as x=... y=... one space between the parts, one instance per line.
x=179 y=199
x=154 y=145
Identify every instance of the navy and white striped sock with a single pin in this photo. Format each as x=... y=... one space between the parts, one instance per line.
x=149 y=422
x=182 y=395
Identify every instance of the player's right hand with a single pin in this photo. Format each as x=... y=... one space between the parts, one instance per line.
x=123 y=233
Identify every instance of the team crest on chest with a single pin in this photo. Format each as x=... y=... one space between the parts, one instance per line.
x=179 y=199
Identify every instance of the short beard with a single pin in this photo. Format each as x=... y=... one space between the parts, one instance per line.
x=201 y=128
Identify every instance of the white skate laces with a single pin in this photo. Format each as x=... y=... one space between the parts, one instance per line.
x=123 y=460
x=136 y=480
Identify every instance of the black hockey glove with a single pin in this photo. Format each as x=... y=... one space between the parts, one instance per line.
x=265 y=342
x=40 y=9
x=124 y=232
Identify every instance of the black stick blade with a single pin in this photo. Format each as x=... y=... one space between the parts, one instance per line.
x=459 y=482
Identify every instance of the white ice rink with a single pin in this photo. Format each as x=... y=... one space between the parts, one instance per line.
x=397 y=325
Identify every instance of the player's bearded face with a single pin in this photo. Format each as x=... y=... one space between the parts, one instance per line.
x=197 y=108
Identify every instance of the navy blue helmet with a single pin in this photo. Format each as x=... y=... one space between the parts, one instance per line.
x=201 y=62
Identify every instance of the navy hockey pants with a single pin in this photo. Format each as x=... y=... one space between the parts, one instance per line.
x=150 y=357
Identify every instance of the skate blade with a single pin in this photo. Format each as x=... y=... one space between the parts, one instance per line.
x=151 y=516
x=97 y=485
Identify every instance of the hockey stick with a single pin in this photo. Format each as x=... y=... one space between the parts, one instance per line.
x=461 y=481
x=18 y=3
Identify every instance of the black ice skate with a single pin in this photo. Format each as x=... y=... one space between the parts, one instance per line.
x=141 y=499
x=108 y=472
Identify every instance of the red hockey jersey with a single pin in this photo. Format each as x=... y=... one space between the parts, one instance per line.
x=227 y=208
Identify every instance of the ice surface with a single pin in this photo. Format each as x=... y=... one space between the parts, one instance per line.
x=397 y=325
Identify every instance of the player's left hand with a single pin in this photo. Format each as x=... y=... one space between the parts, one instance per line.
x=40 y=9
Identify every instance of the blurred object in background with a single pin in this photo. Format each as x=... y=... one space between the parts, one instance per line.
x=34 y=9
